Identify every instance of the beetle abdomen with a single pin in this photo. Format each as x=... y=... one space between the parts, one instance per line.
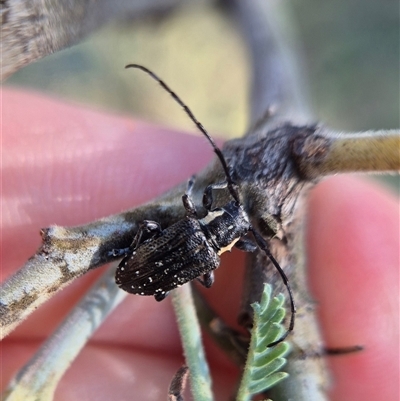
x=180 y=254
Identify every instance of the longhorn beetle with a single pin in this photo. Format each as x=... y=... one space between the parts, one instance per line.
x=160 y=260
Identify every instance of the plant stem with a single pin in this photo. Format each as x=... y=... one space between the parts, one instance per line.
x=189 y=329
x=329 y=152
x=39 y=378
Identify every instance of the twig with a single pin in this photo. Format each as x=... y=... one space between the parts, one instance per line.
x=40 y=376
x=189 y=329
x=278 y=81
x=335 y=152
x=68 y=253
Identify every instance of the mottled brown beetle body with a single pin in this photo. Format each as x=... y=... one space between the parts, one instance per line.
x=166 y=261
x=187 y=250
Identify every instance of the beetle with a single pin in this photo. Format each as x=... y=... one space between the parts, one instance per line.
x=160 y=260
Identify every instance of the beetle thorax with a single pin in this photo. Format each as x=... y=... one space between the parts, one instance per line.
x=224 y=226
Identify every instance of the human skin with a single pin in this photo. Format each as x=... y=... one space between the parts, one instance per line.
x=67 y=165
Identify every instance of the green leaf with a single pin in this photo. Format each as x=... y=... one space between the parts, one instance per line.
x=262 y=370
x=268 y=382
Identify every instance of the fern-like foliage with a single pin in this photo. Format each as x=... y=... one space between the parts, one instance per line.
x=263 y=364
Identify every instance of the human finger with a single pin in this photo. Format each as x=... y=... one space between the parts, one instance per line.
x=353 y=251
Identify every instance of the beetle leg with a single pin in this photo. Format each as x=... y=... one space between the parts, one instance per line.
x=187 y=200
x=115 y=253
x=160 y=296
x=246 y=245
x=149 y=226
x=207 y=280
x=207 y=196
x=190 y=184
x=189 y=206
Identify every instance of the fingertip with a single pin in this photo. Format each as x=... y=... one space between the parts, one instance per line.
x=353 y=250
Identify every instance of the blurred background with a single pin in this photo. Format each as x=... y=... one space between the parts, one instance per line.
x=350 y=49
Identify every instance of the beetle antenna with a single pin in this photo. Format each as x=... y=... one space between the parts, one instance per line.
x=263 y=245
x=217 y=150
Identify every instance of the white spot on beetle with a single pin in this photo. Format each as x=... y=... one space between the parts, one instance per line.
x=211 y=216
x=228 y=247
